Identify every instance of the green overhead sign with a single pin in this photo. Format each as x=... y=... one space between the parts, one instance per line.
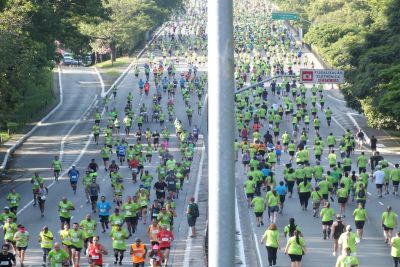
x=285 y=16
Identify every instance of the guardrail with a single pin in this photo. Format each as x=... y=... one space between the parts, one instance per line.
x=264 y=81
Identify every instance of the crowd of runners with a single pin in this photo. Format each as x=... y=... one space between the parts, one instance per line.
x=134 y=135
x=287 y=151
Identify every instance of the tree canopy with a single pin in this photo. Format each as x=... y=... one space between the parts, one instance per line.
x=31 y=31
x=361 y=37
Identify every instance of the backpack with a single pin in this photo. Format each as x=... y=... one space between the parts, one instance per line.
x=194 y=210
x=361 y=194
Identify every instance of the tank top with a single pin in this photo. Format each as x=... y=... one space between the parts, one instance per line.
x=339 y=229
x=95 y=254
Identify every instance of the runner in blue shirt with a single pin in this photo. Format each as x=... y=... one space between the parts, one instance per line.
x=73 y=174
x=165 y=83
x=281 y=189
x=196 y=132
x=141 y=85
x=104 y=212
x=121 y=152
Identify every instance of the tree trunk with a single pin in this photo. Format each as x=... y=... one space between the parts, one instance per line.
x=113 y=51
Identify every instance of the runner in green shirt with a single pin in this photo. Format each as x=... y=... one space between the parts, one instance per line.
x=118 y=236
x=389 y=222
x=326 y=215
x=395 y=250
x=10 y=228
x=316 y=198
x=362 y=162
x=296 y=248
x=57 y=256
x=56 y=166
x=250 y=187
x=343 y=195
x=360 y=217
x=258 y=204
x=88 y=227
x=346 y=260
x=21 y=238
x=64 y=208
x=395 y=177
x=116 y=219
x=348 y=240
x=130 y=210
x=46 y=242
x=86 y=182
x=13 y=199
x=271 y=238
x=36 y=181
x=77 y=237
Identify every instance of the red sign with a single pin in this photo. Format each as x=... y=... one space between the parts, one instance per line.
x=307 y=76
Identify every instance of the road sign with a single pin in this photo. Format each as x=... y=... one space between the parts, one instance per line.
x=321 y=76
x=285 y=16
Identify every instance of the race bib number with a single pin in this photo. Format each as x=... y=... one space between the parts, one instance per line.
x=43 y=197
x=154 y=232
x=128 y=213
x=75 y=240
x=103 y=210
x=95 y=257
x=4 y=263
x=165 y=239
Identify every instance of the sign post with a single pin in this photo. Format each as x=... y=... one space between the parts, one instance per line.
x=285 y=16
x=322 y=76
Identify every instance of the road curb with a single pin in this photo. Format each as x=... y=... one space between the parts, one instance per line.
x=29 y=134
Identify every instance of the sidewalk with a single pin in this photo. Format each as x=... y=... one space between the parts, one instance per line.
x=386 y=143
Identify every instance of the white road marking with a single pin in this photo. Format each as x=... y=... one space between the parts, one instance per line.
x=381 y=203
x=337 y=99
x=369 y=194
x=186 y=259
x=101 y=81
x=93 y=103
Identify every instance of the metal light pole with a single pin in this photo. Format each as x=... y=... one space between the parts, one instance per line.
x=221 y=134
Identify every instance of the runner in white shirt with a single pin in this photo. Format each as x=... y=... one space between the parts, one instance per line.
x=379 y=178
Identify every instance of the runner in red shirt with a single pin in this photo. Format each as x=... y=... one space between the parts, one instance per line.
x=134 y=165
x=165 y=237
x=146 y=88
x=95 y=252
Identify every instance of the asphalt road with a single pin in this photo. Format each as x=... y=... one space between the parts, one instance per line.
x=36 y=155
x=371 y=251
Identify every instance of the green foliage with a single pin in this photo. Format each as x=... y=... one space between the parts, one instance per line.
x=29 y=30
x=361 y=37
x=127 y=24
